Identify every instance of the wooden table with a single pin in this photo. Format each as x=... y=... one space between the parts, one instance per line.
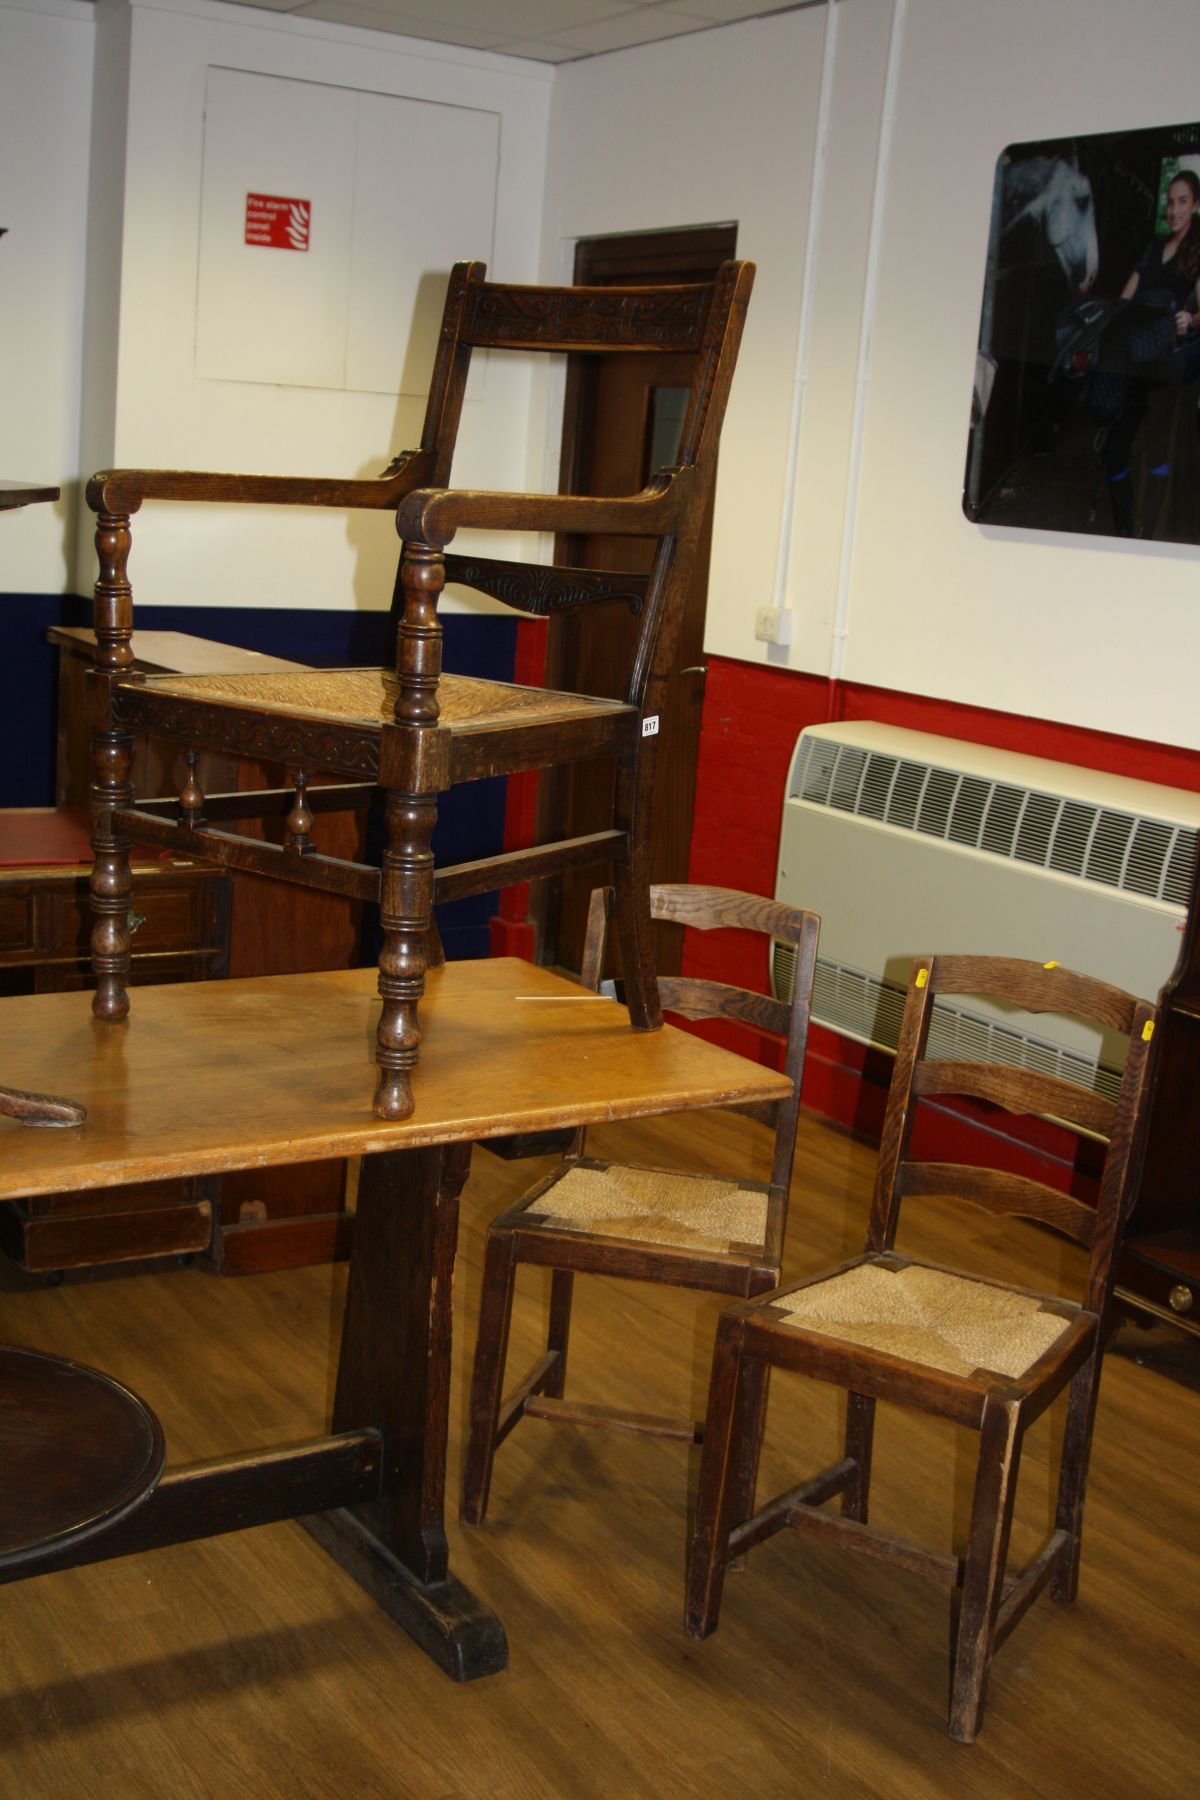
x=24 y=493
x=206 y=1077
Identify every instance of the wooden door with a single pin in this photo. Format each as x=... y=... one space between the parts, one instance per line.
x=623 y=419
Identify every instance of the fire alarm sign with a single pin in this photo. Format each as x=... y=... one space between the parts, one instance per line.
x=276 y=223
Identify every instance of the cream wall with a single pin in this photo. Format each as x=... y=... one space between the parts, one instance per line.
x=1088 y=631
x=148 y=406
x=881 y=120
x=45 y=107
x=718 y=126
x=854 y=145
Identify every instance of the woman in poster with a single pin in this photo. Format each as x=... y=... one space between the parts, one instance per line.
x=1163 y=338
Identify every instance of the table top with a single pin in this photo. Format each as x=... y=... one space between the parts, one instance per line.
x=177 y=652
x=24 y=493
x=208 y=1076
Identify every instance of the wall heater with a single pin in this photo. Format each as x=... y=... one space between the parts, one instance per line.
x=908 y=845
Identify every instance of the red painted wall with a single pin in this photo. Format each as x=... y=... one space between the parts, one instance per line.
x=752 y=718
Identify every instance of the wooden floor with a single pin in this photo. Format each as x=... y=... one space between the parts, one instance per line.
x=250 y=1666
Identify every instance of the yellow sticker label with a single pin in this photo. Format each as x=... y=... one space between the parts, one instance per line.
x=1050 y=965
x=922 y=977
x=1147 y=1031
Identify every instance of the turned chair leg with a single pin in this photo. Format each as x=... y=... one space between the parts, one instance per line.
x=112 y=769
x=720 y=1465
x=413 y=768
x=1073 y=1474
x=860 y=1437
x=111 y=879
x=983 y=1574
x=406 y=917
x=487 y=1377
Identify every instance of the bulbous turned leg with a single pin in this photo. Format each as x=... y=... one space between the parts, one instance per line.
x=111 y=879
x=406 y=913
x=112 y=763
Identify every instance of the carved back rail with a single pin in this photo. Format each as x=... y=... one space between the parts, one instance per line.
x=1033 y=988
x=546 y=588
x=583 y=318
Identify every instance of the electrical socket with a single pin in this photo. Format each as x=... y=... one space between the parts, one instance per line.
x=773 y=625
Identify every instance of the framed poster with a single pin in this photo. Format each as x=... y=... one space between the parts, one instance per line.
x=1084 y=412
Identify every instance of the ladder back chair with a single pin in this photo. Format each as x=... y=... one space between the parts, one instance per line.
x=407 y=729
x=987 y=1356
x=719 y=1234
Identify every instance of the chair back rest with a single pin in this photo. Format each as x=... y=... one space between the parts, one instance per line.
x=700 y=320
x=1036 y=988
x=709 y=909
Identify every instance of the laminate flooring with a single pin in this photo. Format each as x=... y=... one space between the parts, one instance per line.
x=249 y=1667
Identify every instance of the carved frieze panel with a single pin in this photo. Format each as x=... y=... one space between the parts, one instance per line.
x=296 y=743
x=546 y=589
x=664 y=320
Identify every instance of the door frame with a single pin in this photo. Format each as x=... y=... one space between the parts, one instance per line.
x=674 y=253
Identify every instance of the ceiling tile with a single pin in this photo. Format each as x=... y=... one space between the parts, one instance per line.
x=645 y=25
x=537 y=51
x=550 y=31
x=728 y=12
x=510 y=19
x=368 y=16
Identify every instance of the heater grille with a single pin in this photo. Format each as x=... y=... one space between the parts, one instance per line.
x=862 y=1007
x=912 y=845
x=1134 y=853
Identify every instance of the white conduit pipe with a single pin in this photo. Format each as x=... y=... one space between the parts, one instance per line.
x=887 y=127
x=816 y=199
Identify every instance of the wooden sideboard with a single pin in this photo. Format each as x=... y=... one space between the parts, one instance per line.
x=254 y=1219
x=180 y=920
x=180 y=933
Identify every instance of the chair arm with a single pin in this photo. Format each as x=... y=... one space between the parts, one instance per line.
x=120 y=491
x=433 y=515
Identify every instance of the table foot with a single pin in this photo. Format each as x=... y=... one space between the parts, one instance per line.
x=444 y=1618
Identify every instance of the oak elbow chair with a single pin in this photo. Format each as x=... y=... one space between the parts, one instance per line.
x=406 y=729
x=984 y=1355
x=719 y=1234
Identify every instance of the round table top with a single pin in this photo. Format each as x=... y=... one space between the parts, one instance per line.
x=77 y=1451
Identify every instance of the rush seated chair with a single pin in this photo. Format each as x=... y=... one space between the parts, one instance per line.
x=985 y=1355
x=406 y=729
x=719 y=1234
